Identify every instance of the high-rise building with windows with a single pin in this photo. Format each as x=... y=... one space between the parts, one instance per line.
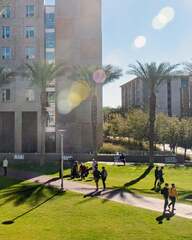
x=174 y=95
x=67 y=32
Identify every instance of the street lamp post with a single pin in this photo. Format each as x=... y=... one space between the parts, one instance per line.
x=61 y=132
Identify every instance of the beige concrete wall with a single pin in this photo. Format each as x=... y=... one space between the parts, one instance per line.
x=79 y=42
x=17 y=42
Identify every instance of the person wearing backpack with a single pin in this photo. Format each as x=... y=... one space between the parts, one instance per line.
x=165 y=193
x=173 y=196
x=96 y=176
x=104 y=177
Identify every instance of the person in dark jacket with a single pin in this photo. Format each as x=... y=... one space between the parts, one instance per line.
x=156 y=177
x=160 y=177
x=96 y=176
x=104 y=177
x=165 y=193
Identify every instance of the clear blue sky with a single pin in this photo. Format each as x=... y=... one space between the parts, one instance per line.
x=124 y=20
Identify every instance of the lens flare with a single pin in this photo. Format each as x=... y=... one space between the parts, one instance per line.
x=68 y=100
x=99 y=76
x=140 y=41
x=165 y=16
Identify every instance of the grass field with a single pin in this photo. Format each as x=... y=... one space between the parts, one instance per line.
x=71 y=217
x=118 y=176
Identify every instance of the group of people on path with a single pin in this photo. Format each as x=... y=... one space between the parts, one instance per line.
x=169 y=193
x=99 y=174
x=82 y=171
x=170 y=196
x=159 y=178
x=79 y=171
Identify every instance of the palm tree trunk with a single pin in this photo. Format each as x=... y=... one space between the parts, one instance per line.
x=43 y=125
x=152 y=117
x=94 y=122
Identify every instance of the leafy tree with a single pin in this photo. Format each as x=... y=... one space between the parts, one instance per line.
x=152 y=75
x=42 y=74
x=185 y=135
x=86 y=73
x=161 y=129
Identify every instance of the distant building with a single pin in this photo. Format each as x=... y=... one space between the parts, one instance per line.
x=68 y=32
x=174 y=95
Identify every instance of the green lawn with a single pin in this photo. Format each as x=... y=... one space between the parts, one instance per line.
x=120 y=175
x=71 y=217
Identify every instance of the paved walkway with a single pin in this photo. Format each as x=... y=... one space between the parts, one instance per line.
x=116 y=195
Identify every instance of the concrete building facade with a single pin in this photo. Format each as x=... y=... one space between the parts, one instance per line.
x=68 y=32
x=174 y=95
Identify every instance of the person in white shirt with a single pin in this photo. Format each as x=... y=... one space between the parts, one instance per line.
x=5 y=166
x=94 y=164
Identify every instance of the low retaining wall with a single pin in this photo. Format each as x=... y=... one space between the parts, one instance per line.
x=55 y=158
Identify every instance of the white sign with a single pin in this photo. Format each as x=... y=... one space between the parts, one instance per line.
x=66 y=158
x=19 y=156
x=171 y=159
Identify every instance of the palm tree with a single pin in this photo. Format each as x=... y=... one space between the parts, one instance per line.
x=152 y=75
x=6 y=75
x=86 y=73
x=42 y=74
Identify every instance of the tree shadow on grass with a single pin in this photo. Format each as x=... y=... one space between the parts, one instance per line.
x=30 y=193
x=141 y=177
x=35 y=195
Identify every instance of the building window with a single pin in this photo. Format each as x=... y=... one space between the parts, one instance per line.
x=6 y=32
x=49 y=20
x=51 y=97
x=30 y=53
x=6 y=95
x=51 y=119
x=6 y=53
x=50 y=57
x=30 y=11
x=30 y=95
x=6 y=13
x=29 y=32
x=50 y=39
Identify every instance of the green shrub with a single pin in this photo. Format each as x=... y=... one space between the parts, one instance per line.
x=111 y=148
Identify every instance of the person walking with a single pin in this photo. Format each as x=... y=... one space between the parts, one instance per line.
x=94 y=164
x=5 y=166
x=104 y=177
x=172 y=196
x=156 y=177
x=96 y=176
x=165 y=193
x=160 y=177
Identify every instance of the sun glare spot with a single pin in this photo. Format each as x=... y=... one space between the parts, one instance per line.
x=165 y=16
x=68 y=100
x=140 y=41
x=99 y=76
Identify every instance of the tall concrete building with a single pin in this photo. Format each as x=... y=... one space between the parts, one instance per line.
x=174 y=95
x=67 y=32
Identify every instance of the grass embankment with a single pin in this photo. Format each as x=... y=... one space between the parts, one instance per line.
x=69 y=216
